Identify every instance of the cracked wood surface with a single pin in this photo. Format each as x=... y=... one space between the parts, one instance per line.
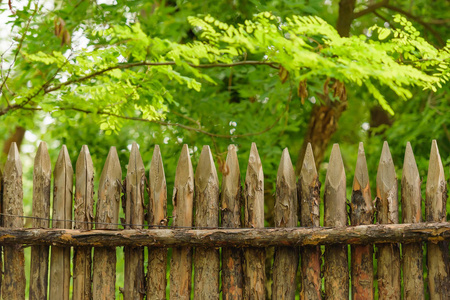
x=42 y=175
x=335 y=209
x=309 y=198
x=104 y=264
x=361 y=212
x=62 y=210
x=388 y=265
x=183 y=195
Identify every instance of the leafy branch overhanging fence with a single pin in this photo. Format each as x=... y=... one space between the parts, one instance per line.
x=197 y=204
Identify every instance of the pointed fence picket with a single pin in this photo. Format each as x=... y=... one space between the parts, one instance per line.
x=243 y=270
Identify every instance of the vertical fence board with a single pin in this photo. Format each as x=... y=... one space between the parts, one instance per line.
x=109 y=189
x=157 y=215
x=435 y=211
x=361 y=214
x=387 y=213
x=309 y=198
x=286 y=258
x=14 y=272
x=411 y=213
x=206 y=260
x=254 y=258
x=183 y=195
x=83 y=212
x=134 y=287
x=62 y=210
x=335 y=209
x=232 y=279
x=42 y=176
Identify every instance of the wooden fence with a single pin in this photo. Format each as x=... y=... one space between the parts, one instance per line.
x=227 y=262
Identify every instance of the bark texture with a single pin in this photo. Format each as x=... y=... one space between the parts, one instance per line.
x=13 y=284
x=62 y=210
x=286 y=206
x=104 y=266
x=435 y=211
x=309 y=198
x=411 y=213
x=183 y=195
x=42 y=175
x=254 y=259
x=387 y=213
x=157 y=215
x=232 y=273
x=361 y=213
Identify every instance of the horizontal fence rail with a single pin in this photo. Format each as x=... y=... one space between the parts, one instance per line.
x=219 y=244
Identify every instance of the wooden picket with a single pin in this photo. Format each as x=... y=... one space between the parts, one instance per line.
x=243 y=269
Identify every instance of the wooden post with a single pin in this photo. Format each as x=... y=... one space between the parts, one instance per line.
x=109 y=190
x=206 y=260
x=435 y=211
x=387 y=213
x=232 y=273
x=13 y=285
x=254 y=258
x=286 y=207
x=134 y=214
x=83 y=212
x=183 y=196
x=62 y=210
x=309 y=198
x=335 y=209
x=361 y=214
x=411 y=213
x=157 y=215
x=42 y=176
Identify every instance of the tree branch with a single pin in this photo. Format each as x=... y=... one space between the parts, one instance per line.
x=371 y=8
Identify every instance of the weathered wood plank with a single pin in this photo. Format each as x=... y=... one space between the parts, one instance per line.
x=206 y=260
x=254 y=259
x=232 y=273
x=335 y=209
x=42 y=176
x=361 y=213
x=435 y=211
x=309 y=198
x=157 y=215
x=388 y=264
x=286 y=207
x=83 y=212
x=411 y=213
x=109 y=190
x=183 y=196
x=13 y=284
x=62 y=210
x=134 y=287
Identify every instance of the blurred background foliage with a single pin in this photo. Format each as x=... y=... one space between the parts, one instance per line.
x=245 y=99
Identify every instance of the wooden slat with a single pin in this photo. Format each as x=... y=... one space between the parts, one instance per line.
x=83 y=212
x=109 y=190
x=134 y=287
x=435 y=211
x=183 y=196
x=232 y=273
x=42 y=176
x=254 y=259
x=361 y=214
x=286 y=207
x=335 y=209
x=157 y=215
x=388 y=264
x=309 y=198
x=62 y=210
x=13 y=285
x=206 y=260
x=411 y=213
